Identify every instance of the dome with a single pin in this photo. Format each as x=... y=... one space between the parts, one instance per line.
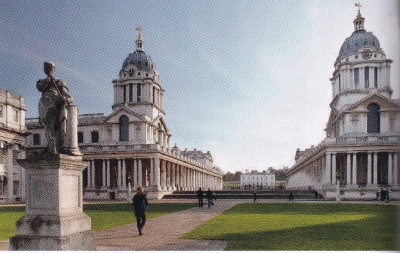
x=140 y=59
x=357 y=40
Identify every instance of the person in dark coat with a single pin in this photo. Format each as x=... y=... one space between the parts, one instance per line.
x=200 y=197
x=210 y=197
x=140 y=204
x=254 y=197
x=291 y=197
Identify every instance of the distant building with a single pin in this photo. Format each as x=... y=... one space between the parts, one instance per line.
x=361 y=149
x=12 y=146
x=131 y=146
x=257 y=180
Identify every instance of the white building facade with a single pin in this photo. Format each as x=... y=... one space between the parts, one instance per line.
x=12 y=146
x=257 y=180
x=131 y=146
x=361 y=149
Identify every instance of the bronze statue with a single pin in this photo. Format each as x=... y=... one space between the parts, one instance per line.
x=53 y=109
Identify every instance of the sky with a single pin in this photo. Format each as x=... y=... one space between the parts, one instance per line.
x=246 y=80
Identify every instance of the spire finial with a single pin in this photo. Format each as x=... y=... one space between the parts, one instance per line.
x=139 y=29
x=358 y=5
x=139 y=41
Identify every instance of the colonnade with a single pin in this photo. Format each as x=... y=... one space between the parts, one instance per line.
x=152 y=173
x=361 y=168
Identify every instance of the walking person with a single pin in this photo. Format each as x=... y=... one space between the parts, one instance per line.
x=140 y=204
x=254 y=197
x=209 y=196
x=200 y=197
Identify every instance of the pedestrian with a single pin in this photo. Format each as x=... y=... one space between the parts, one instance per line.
x=316 y=194
x=200 y=197
x=291 y=197
x=140 y=205
x=209 y=196
x=254 y=197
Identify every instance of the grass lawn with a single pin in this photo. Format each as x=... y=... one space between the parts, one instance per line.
x=302 y=226
x=103 y=216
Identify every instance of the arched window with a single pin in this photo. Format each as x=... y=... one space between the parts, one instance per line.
x=124 y=128
x=373 y=119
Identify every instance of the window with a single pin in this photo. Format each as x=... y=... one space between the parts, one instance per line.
x=366 y=77
x=16 y=188
x=124 y=94
x=154 y=95
x=373 y=118
x=124 y=128
x=36 y=139
x=131 y=92
x=139 y=92
x=95 y=136
x=1 y=111
x=356 y=77
x=80 y=137
x=376 y=77
x=340 y=83
x=16 y=115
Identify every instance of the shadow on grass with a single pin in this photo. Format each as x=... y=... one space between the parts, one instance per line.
x=334 y=236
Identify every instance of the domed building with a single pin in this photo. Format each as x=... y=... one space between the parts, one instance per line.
x=359 y=155
x=131 y=146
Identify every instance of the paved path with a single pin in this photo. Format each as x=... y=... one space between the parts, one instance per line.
x=162 y=233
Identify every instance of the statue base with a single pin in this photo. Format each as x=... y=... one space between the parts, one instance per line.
x=54 y=207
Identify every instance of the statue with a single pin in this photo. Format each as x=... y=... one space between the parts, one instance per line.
x=54 y=108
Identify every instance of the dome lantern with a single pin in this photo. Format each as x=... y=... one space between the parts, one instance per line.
x=139 y=41
x=359 y=21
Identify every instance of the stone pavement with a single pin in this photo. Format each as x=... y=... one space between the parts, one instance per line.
x=162 y=233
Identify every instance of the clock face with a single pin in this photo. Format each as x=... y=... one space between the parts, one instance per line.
x=366 y=54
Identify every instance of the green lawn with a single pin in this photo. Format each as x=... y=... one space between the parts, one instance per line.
x=303 y=226
x=103 y=216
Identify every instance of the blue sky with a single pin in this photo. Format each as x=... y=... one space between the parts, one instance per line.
x=246 y=80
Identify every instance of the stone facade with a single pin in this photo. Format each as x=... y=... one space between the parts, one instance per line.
x=12 y=146
x=360 y=152
x=131 y=146
x=257 y=180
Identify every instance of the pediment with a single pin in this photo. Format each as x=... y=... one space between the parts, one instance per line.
x=116 y=115
x=161 y=122
x=383 y=102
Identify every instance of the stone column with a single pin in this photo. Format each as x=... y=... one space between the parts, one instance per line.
x=10 y=174
x=123 y=174
x=395 y=170
x=103 y=169
x=334 y=168
x=390 y=168
x=89 y=173
x=327 y=174
x=119 y=166
x=375 y=168
x=135 y=173
x=157 y=172
x=71 y=137
x=108 y=173
x=348 y=169
x=369 y=169
x=93 y=167
x=140 y=173
x=54 y=217
x=354 y=168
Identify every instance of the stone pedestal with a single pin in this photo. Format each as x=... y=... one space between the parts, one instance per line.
x=54 y=210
